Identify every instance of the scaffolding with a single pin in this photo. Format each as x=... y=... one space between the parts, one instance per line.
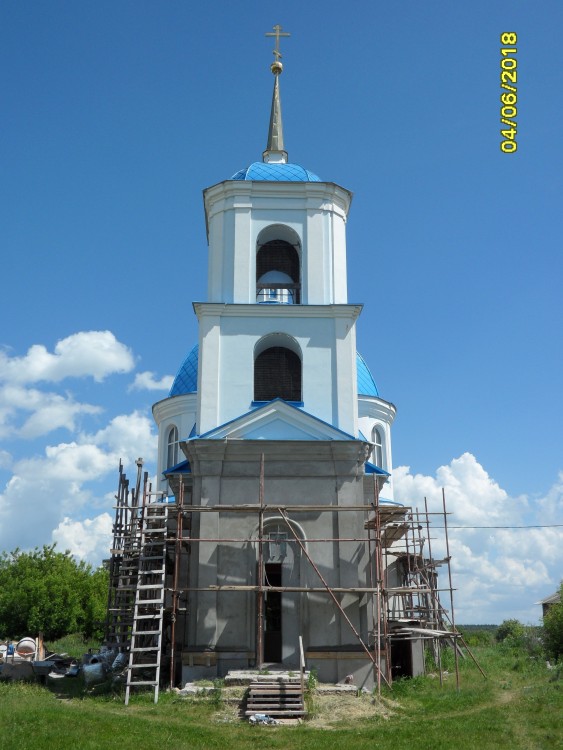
x=395 y=537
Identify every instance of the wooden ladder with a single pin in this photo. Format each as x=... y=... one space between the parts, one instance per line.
x=276 y=698
x=148 y=615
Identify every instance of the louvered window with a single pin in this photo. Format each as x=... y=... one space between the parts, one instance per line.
x=277 y=374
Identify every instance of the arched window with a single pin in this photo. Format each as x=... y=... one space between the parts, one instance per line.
x=277 y=374
x=277 y=273
x=172 y=452
x=377 y=448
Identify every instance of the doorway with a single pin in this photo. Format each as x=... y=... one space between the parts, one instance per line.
x=401 y=658
x=273 y=614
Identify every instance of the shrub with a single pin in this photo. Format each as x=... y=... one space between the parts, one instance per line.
x=553 y=629
x=509 y=629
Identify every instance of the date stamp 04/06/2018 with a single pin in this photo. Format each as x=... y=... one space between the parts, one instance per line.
x=509 y=95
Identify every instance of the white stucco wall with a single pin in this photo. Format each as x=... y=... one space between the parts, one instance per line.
x=238 y=211
x=375 y=412
x=326 y=338
x=179 y=411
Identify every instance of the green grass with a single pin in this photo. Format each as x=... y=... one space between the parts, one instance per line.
x=74 y=645
x=519 y=707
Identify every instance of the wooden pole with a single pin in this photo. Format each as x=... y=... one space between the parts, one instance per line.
x=456 y=657
x=260 y=634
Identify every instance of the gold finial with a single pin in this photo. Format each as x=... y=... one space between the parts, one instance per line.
x=276 y=67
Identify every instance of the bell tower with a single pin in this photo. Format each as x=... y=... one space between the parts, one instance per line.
x=277 y=304
x=274 y=409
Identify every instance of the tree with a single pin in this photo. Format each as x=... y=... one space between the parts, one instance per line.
x=45 y=590
x=512 y=629
x=553 y=628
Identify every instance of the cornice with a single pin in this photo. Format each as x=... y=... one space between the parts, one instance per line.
x=173 y=406
x=253 y=310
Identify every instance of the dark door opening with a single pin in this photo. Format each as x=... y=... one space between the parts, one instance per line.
x=273 y=614
x=401 y=658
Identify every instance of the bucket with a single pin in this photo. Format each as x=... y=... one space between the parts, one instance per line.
x=26 y=647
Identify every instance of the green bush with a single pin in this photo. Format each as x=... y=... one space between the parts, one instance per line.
x=553 y=629
x=48 y=591
x=509 y=629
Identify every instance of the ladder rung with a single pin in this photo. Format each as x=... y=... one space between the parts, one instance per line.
x=137 y=649
x=146 y=632
x=144 y=666
x=152 y=611
x=153 y=572
x=155 y=616
x=142 y=682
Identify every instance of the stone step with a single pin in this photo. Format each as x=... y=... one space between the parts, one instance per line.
x=280 y=713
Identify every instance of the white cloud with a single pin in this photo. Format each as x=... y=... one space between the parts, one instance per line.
x=498 y=572
x=53 y=412
x=88 y=353
x=129 y=436
x=50 y=411
x=145 y=381
x=69 y=480
x=88 y=539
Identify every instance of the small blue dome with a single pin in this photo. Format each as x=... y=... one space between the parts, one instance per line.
x=275 y=173
x=186 y=379
x=366 y=383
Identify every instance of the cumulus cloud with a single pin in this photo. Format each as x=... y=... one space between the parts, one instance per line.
x=498 y=572
x=87 y=540
x=88 y=353
x=129 y=435
x=68 y=481
x=28 y=412
x=53 y=412
x=50 y=411
x=146 y=381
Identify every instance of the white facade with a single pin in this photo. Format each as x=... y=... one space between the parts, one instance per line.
x=309 y=215
x=276 y=400
x=242 y=316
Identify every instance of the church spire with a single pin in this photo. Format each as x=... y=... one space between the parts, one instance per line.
x=275 y=152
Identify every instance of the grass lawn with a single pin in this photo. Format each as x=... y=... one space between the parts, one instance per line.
x=519 y=706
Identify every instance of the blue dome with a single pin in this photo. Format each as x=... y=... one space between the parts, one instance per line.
x=276 y=173
x=186 y=379
x=366 y=383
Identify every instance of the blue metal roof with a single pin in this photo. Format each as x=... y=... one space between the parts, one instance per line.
x=373 y=469
x=366 y=383
x=182 y=468
x=276 y=173
x=186 y=378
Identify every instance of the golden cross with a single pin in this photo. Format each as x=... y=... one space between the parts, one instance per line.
x=277 y=33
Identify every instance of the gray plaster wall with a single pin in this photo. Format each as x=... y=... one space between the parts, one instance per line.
x=298 y=473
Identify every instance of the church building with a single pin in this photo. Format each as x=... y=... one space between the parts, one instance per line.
x=275 y=422
x=273 y=540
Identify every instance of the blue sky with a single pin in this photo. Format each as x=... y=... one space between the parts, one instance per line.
x=118 y=114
